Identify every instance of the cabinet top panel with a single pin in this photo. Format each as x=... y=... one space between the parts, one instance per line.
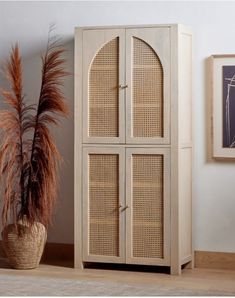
x=133 y=26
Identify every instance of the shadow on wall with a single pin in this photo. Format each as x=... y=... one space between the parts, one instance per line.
x=208 y=111
x=62 y=229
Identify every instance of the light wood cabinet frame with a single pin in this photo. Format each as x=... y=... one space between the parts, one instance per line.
x=173 y=45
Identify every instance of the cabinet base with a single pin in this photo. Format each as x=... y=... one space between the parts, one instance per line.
x=127 y=267
x=173 y=270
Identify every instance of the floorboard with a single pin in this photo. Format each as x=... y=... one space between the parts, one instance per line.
x=199 y=278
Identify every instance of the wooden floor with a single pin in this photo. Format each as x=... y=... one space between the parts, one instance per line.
x=206 y=279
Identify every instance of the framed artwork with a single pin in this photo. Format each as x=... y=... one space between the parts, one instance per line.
x=223 y=106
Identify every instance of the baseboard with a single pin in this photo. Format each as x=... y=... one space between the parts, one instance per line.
x=2 y=253
x=60 y=252
x=215 y=260
x=64 y=253
x=53 y=253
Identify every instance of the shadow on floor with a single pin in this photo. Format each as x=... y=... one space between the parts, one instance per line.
x=125 y=267
x=4 y=264
x=66 y=264
x=58 y=263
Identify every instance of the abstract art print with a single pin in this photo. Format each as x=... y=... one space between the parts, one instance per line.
x=223 y=103
x=228 y=72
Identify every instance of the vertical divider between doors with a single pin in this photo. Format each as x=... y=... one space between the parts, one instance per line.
x=167 y=205
x=125 y=99
x=122 y=92
x=78 y=185
x=128 y=78
x=122 y=201
x=85 y=202
x=128 y=202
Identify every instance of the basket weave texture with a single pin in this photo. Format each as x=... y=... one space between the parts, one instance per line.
x=24 y=245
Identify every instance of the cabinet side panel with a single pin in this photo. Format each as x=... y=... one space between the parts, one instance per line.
x=185 y=146
x=78 y=149
x=185 y=204
x=185 y=89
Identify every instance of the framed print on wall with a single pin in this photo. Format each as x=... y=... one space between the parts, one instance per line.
x=223 y=113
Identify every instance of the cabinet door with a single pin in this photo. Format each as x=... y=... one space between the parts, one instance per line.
x=148 y=206
x=103 y=196
x=103 y=99
x=148 y=61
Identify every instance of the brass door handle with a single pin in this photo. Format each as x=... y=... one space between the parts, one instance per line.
x=125 y=208
x=123 y=86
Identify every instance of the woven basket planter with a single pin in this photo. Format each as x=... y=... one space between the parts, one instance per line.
x=24 y=247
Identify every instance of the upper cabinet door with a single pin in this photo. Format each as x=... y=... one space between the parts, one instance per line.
x=103 y=98
x=148 y=79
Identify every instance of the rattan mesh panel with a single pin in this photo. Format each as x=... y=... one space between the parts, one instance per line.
x=147 y=208
x=103 y=204
x=103 y=91
x=147 y=84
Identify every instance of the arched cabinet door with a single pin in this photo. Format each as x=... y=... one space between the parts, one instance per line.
x=103 y=99
x=148 y=79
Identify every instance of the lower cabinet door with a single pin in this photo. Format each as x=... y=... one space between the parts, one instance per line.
x=103 y=199
x=148 y=206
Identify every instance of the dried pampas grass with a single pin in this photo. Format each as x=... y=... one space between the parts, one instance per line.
x=28 y=165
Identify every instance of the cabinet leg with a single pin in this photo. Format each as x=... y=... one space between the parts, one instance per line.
x=79 y=265
x=189 y=265
x=176 y=270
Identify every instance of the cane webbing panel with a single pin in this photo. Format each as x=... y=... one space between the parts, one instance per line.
x=147 y=206
x=103 y=91
x=103 y=204
x=147 y=91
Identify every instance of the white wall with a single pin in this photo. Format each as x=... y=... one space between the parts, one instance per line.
x=214 y=32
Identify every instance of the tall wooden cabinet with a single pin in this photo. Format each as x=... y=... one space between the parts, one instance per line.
x=133 y=145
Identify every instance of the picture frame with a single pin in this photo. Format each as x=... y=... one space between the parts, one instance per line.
x=223 y=105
